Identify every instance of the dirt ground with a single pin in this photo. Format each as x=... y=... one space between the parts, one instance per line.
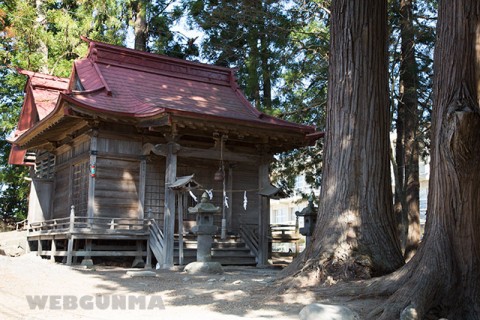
x=241 y=292
x=238 y=293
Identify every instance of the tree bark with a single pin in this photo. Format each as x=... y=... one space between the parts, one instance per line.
x=140 y=24
x=408 y=102
x=399 y=174
x=355 y=235
x=266 y=74
x=42 y=48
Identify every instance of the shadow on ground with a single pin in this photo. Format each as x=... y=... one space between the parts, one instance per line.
x=240 y=291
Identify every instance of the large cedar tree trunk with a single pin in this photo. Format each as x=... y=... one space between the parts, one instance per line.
x=355 y=235
x=442 y=279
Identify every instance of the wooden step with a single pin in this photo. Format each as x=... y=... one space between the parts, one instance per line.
x=230 y=251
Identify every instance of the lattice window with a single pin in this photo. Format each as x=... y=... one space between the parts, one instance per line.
x=45 y=166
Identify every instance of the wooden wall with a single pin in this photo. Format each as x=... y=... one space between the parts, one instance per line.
x=71 y=178
x=79 y=180
x=245 y=178
x=116 y=188
x=117 y=182
x=117 y=178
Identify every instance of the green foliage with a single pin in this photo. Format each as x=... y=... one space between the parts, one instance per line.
x=280 y=49
x=13 y=186
x=159 y=17
x=248 y=35
x=303 y=90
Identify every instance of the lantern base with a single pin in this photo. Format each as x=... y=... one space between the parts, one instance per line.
x=210 y=267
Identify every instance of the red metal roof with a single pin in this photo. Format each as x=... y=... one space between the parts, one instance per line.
x=122 y=82
x=131 y=83
x=41 y=95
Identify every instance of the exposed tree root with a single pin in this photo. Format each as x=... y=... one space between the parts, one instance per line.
x=416 y=291
x=327 y=270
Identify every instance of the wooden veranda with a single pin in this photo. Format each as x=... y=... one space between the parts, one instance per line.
x=60 y=238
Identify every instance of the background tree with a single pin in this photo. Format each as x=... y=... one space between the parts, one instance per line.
x=355 y=233
x=248 y=35
x=407 y=188
x=411 y=47
x=280 y=49
x=302 y=90
x=152 y=22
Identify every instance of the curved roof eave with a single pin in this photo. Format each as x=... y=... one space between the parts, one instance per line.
x=284 y=125
x=55 y=116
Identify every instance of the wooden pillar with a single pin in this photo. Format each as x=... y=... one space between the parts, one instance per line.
x=263 y=214
x=87 y=260
x=230 y=198
x=148 y=263
x=138 y=261
x=141 y=186
x=91 y=177
x=70 y=237
x=39 y=245
x=53 y=250
x=180 y=196
x=169 y=210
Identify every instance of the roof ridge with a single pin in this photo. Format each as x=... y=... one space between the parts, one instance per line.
x=40 y=75
x=104 y=53
x=156 y=56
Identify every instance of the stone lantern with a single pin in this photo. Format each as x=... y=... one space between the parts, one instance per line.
x=204 y=231
x=309 y=214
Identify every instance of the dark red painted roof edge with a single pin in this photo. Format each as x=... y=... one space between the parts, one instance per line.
x=76 y=102
x=38 y=124
x=17 y=157
x=31 y=74
x=316 y=135
x=285 y=124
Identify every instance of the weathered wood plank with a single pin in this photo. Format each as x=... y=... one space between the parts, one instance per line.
x=214 y=154
x=141 y=188
x=169 y=211
x=263 y=214
x=91 y=177
x=94 y=253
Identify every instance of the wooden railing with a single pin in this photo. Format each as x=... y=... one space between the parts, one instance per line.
x=86 y=223
x=251 y=239
x=21 y=225
x=284 y=233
